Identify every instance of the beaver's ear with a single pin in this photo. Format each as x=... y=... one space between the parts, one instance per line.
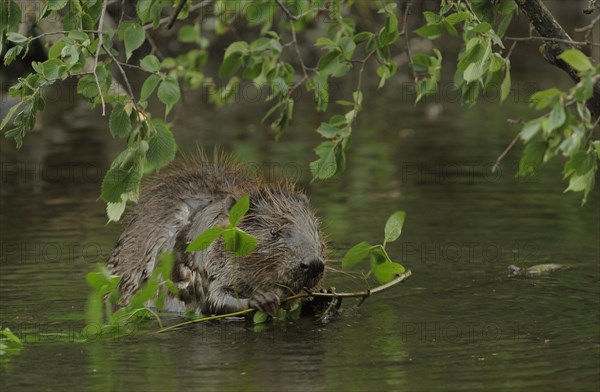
x=228 y=204
x=303 y=198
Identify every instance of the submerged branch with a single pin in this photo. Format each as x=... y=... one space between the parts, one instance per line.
x=358 y=294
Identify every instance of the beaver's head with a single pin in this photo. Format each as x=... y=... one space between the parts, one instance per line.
x=290 y=251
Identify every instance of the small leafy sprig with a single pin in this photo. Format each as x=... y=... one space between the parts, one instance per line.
x=105 y=293
x=235 y=239
x=382 y=267
x=563 y=130
x=9 y=342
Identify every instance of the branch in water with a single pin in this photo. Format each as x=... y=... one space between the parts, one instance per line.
x=359 y=294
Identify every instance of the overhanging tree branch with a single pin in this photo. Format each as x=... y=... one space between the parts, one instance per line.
x=558 y=41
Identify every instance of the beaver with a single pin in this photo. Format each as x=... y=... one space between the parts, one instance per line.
x=197 y=194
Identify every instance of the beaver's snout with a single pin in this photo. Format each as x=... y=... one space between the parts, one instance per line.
x=313 y=268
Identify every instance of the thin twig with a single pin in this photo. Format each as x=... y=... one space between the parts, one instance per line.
x=512 y=48
x=472 y=11
x=63 y=32
x=166 y=19
x=121 y=70
x=405 y=30
x=588 y=27
x=501 y=157
x=176 y=14
x=286 y=11
x=594 y=125
x=560 y=40
x=155 y=49
x=297 y=48
x=359 y=84
x=100 y=39
x=360 y=294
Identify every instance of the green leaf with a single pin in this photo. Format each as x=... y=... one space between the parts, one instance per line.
x=70 y=54
x=530 y=129
x=557 y=117
x=119 y=124
x=329 y=131
x=326 y=166
x=503 y=26
x=204 y=240
x=482 y=27
x=162 y=146
x=393 y=226
x=383 y=269
x=580 y=163
x=358 y=38
x=584 y=89
x=431 y=31
x=240 y=47
x=421 y=62
x=86 y=86
x=118 y=181
x=9 y=115
x=56 y=49
x=16 y=37
x=545 y=98
x=230 y=65
x=56 y=5
x=188 y=34
x=150 y=63
x=474 y=72
x=532 y=157
x=347 y=46
x=114 y=211
x=329 y=62
x=148 y=10
x=259 y=317
x=11 y=337
x=239 y=209
x=145 y=293
x=148 y=87
x=386 y=272
x=169 y=93
x=134 y=37
x=577 y=60
x=94 y=309
x=507 y=6
x=356 y=254
x=580 y=183
x=457 y=17
x=238 y=241
x=247 y=243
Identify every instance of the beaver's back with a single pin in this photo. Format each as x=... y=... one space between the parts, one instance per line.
x=167 y=204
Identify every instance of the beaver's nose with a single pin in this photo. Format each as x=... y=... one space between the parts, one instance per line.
x=314 y=267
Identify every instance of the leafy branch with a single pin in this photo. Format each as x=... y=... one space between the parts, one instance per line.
x=381 y=265
x=262 y=316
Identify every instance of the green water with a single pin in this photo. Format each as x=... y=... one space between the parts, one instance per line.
x=458 y=324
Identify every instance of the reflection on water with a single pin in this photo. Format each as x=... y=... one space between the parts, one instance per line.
x=458 y=323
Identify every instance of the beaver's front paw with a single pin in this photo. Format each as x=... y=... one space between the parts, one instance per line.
x=267 y=302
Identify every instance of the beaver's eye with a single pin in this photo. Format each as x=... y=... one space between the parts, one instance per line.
x=274 y=233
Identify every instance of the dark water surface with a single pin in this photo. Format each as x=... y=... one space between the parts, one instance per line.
x=458 y=324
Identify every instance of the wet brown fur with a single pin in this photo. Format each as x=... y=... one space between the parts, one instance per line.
x=196 y=194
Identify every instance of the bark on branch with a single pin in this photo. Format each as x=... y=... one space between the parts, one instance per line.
x=546 y=25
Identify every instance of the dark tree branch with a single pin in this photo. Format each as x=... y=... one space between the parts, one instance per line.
x=592 y=6
x=559 y=41
x=175 y=14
